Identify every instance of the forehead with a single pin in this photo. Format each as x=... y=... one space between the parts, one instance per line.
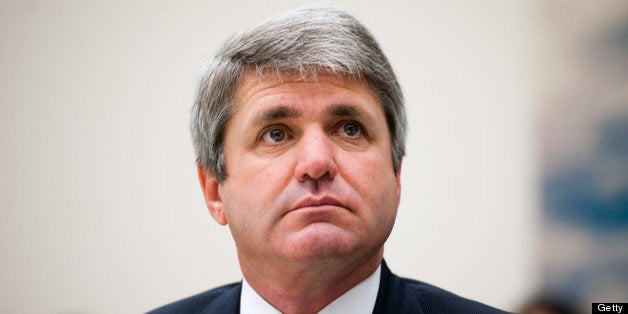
x=253 y=86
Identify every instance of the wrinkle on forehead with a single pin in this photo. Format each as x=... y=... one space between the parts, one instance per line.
x=255 y=82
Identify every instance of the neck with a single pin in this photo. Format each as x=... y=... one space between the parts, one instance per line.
x=307 y=287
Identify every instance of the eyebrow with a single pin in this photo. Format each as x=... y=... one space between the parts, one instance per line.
x=290 y=112
x=352 y=112
x=343 y=110
x=277 y=113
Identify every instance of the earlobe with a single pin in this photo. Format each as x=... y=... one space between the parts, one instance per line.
x=211 y=192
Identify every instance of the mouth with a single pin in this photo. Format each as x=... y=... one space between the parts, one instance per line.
x=312 y=202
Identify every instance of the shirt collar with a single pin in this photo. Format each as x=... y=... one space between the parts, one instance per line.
x=360 y=299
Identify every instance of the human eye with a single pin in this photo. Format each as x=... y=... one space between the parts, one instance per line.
x=350 y=129
x=275 y=135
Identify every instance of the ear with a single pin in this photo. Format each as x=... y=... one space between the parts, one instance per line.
x=211 y=192
x=398 y=177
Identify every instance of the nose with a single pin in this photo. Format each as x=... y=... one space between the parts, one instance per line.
x=316 y=157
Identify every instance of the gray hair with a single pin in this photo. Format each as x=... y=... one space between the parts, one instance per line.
x=305 y=40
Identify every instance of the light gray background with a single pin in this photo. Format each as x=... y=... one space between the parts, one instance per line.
x=100 y=209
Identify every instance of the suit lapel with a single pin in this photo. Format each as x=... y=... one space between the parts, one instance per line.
x=393 y=296
x=228 y=302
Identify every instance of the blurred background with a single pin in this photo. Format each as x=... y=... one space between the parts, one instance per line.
x=583 y=141
x=515 y=184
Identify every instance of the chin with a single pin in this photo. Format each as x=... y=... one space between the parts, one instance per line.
x=317 y=243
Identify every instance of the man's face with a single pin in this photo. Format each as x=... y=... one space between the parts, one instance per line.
x=310 y=174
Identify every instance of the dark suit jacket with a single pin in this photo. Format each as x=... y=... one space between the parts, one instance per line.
x=395 y=295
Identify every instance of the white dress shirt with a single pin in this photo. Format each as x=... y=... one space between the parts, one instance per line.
x=360 y=299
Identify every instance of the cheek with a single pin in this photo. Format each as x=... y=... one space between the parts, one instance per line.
x=253 y=184
x=263 y=175
x=372 y=177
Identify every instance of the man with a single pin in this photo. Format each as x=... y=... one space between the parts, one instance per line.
x=299 y=129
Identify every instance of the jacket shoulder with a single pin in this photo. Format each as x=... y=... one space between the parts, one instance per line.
x=403 y=295
x=223 y=299
x=433 y=299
